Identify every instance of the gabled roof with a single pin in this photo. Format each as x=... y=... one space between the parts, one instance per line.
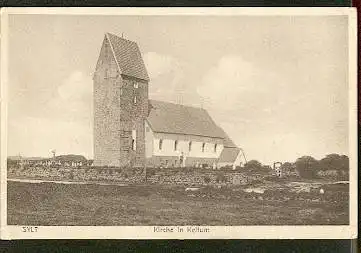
x=165 y=117
x=227 y=140
x=128 y=57
x=228 y=155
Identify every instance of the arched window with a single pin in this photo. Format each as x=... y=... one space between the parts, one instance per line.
x=215 y=148
x=190 y=146
x=135 y=100
x=160 y=144
x=175 y=145
x=203 y=146
x=121 y=91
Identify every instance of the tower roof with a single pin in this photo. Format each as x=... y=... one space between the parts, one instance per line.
x=128 y=57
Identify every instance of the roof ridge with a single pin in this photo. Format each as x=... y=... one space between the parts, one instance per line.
x=113 y=52
x=118 y=37
x=173 y=103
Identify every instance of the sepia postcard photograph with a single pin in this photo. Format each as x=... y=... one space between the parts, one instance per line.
x=178 y=123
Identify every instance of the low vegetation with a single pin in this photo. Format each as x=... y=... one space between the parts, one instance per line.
x=112 y=205
x=310 y=196
x=307 y=167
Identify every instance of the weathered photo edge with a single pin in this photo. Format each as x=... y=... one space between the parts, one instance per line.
x=216 y=232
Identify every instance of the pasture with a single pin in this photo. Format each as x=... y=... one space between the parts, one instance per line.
x=46 y=204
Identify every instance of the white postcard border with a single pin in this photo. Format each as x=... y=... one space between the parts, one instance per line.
x=215 y=232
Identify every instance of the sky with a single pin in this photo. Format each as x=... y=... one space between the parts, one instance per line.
x=278 y=85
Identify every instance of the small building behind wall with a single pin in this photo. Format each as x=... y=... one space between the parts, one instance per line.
x=230 y=157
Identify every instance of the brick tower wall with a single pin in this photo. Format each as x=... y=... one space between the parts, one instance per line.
x=133 y=116
x=116 y=114
x=106 y=109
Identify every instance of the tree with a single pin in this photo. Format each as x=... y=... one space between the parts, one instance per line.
x=307 y=166
x=335 y=162
x=256 y=166
x=253 y=164
x=286 y=166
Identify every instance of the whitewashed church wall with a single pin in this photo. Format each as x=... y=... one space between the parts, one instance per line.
x=183 y=145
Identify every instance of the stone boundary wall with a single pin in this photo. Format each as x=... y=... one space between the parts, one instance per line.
x=192 y=176
x=176 y=176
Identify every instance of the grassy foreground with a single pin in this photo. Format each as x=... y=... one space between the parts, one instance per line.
x=111 y=205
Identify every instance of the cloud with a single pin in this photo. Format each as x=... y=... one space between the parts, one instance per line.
x=76 y=86
x=158 y=64
x=167 y=77
x=65 y=126
x=266 y=116
x=73 y=99
x=242 y=89
x=38 y=136
x=235 y=82
x=241 y=96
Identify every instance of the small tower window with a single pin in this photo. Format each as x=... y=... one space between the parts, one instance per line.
x=133 y=144
x=160 y=144
x=190 y=146
x=135 y=100
x=136 y=85
x=215 y=148
x=203 y=146
x=134 y=139
x=106 y=73
x=175 y=145
x=121 y=91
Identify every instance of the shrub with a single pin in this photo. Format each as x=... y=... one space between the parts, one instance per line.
x=205 y=166
x=255 y=166
x=307 y=166
x=150 y=172
x=207 y=179
x=226 y=168
x=71 y=175
x=220 y=178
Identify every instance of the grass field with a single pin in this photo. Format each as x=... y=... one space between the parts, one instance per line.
x=111 y=205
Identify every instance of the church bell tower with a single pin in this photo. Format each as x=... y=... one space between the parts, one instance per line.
x=120 y=104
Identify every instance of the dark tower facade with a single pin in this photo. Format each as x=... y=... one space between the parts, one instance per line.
x=120 y=85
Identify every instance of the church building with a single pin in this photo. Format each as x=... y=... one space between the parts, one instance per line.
x=130 y=129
